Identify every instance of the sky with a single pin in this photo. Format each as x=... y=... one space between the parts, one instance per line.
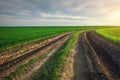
x=59 y=12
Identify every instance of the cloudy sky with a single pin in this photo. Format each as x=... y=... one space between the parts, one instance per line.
x=59 y=12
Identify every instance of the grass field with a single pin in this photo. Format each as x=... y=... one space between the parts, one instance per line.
x=112 y=34
x=11 y=37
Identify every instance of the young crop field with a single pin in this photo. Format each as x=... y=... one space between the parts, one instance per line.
x=60 y=53
x=112 y=34
x=11 y=37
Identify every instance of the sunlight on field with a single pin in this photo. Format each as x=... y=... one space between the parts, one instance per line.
x=112 y=34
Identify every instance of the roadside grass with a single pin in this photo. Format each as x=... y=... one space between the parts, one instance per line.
x=51 y=68
x=111 y=34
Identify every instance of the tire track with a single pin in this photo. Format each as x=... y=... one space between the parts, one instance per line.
x=109 y=68
x=94 y=71
x=85 y=65
x=80 y=61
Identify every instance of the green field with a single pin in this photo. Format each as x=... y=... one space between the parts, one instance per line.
x=112 y=34
x=15 y=36
x=11 y=37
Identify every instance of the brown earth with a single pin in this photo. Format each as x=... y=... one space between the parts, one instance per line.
x=109 y=64
x=66 y=71
x=111 y=48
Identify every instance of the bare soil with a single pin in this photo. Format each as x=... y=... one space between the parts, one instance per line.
x=109 y=64
x=111 y=48
x=66 y=71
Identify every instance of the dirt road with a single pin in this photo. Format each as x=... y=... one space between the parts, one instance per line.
x=91 y=62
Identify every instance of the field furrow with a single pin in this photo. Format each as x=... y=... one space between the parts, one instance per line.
x=9 y=66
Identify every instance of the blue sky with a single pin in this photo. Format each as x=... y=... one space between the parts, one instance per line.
x=59 y=12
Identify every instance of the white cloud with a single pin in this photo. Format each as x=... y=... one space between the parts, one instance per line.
x=24 y=12
x=63 y=16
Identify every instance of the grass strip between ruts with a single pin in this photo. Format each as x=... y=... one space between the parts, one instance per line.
x=51 y=68
x=19 y=69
